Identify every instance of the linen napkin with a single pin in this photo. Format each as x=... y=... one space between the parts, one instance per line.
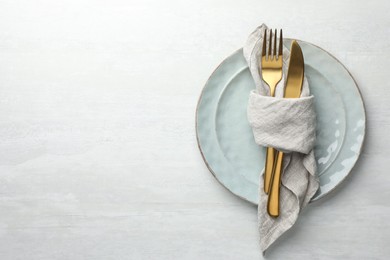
x=287 y=125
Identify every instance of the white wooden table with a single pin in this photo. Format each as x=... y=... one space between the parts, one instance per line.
x=98 y=155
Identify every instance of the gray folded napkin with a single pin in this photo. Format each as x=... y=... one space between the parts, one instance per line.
x=287 y=125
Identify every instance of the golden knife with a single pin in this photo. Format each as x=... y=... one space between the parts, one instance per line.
x=293 y=89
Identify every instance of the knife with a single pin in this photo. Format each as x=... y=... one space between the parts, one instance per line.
x=293 y=89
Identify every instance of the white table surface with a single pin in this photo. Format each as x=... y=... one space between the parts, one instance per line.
x=98 y=154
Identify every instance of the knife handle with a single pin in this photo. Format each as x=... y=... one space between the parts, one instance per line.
x=274 y=193
x=269 y=165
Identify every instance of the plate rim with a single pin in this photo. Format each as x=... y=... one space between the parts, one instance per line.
x=359 y=152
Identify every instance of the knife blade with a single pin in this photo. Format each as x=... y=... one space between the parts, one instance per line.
x=293 y=88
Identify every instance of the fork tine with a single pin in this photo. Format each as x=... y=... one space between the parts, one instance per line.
x=270 y=45
x=264 y=52
x=281 y=43
x=274 y=55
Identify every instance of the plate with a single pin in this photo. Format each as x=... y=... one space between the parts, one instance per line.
x=226 y=141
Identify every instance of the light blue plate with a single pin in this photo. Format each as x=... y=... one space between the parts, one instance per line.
x=225 y=138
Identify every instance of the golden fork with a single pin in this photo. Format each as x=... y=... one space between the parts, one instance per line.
x=271 y=72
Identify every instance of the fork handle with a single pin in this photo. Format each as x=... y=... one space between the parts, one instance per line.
x=274 y=193
x=269 y=165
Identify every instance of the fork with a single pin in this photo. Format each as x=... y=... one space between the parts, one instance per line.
x=271 y=72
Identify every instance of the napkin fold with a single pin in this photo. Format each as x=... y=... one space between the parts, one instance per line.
x=287 y=125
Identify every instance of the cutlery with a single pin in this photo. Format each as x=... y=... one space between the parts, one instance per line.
x=271 y=72
x=293 y=89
